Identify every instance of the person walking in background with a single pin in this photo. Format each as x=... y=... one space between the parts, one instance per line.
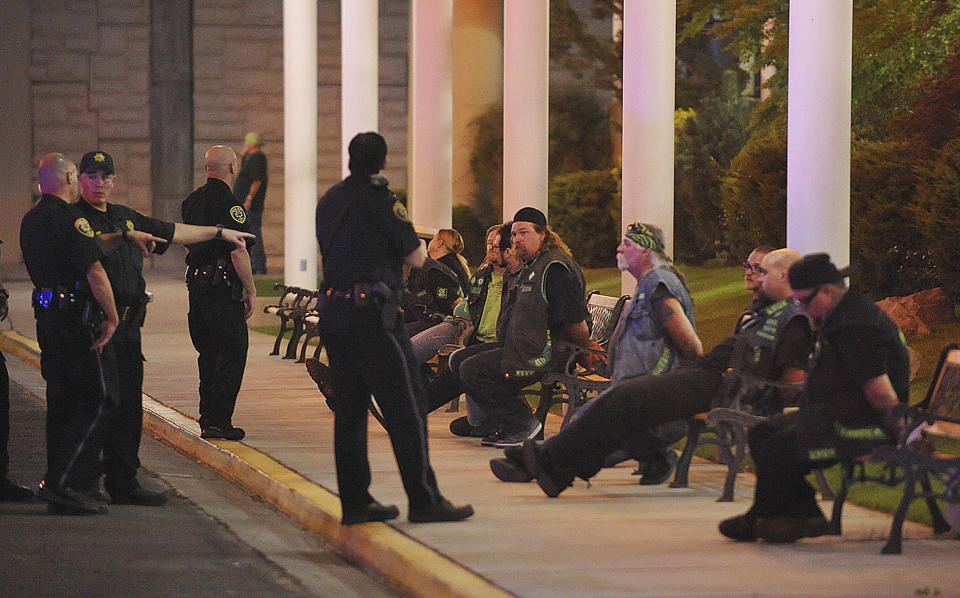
x=250 y=191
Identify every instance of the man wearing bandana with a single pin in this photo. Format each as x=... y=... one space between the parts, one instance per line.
x=772 y=345
x=656 y=331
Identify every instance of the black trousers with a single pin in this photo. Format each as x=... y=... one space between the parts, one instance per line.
x=367 y=360
x=447 y=385
x=80 y=382
x=4 y=418
x=626 y=412
x=219 y=334
x=499 y=397
x=124 y=427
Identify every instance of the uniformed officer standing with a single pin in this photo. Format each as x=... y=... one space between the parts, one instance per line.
x=222 y=295
x=76 y=317
x=9 y=490
x=119 y=227
x=365 y=238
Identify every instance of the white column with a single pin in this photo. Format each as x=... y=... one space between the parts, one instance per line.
x=818 y=127
x=299 y=142
x=359 y=61
x=649 y=42
x=431 y=113
x=526 y=86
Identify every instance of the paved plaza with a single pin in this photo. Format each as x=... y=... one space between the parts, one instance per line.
x=609 y=538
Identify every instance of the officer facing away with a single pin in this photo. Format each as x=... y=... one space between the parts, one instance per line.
x=365 y=238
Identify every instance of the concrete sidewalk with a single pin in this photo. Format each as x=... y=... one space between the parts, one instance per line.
x=609 y=538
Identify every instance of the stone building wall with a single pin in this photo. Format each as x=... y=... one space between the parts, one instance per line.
x=89 y=87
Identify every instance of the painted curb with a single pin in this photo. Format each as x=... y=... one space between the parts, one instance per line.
x=378 y=548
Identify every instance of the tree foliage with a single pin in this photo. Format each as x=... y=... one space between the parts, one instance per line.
x=585 y=212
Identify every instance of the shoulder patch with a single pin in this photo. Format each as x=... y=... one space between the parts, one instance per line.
x=400 y=211
x=83 y=227
x=129 y=224
x=237 y=213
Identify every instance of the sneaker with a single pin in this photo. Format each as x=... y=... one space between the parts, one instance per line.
x=785 y=530
x=462 y=427
x=549 y=479
x=227 y=433
x=372 y=512
x=12 y=492
x=67 y=501
x=740 y=528
x=441 y=511
x=139 y=496
x=657 y=471
x=505 y=440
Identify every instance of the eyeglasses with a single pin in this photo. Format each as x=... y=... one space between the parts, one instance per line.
x=809 y=298
x=751 y=267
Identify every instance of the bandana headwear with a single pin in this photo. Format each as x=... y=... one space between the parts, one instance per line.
x=644 y=237
x=253 y=138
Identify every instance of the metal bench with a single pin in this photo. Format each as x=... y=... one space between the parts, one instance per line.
x=291 y=300
x=574 y=385
x=941 y=409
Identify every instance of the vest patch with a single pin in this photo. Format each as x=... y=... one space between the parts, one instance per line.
x=129 y=224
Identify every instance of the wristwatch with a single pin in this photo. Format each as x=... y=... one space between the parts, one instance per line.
x=219 y=231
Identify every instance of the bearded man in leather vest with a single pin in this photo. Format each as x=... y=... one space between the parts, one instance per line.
x=545 y=316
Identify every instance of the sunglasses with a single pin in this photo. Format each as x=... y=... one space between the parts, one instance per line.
x=809 y=298
x=753 y=267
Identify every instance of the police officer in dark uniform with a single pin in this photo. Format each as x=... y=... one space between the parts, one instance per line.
x=121 y=230
x=9 y=490
x=222 y=294
x=76 y=317
x=365 y=238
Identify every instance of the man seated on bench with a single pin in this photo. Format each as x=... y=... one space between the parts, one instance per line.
x=860 y=369
x=487 y=296
x=546 y=316
x=773 y=344
x=655 y=332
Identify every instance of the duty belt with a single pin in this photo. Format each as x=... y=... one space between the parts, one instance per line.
x=57 y=298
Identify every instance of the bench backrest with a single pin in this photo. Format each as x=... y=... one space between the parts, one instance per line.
x=604 y=312
x=943 y=395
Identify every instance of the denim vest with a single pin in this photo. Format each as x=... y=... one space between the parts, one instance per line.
x=641 y=345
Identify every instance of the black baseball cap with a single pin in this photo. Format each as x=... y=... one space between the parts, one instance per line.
x=813 y=270
x=96 y=161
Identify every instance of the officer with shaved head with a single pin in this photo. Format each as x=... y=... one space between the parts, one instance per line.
x=222 y=294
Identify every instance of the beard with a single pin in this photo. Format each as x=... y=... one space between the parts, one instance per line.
x=622 y=264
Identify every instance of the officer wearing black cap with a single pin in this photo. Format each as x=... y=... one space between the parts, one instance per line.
x=222 y=294
x=76 y=317
x=123 y=232
x=859 y=370
x=365 y=238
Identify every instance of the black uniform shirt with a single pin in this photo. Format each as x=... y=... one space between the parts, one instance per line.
x=253 y=167
x=124 y=265
x=210 y=205
x=364 y=234
x=58 y=244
